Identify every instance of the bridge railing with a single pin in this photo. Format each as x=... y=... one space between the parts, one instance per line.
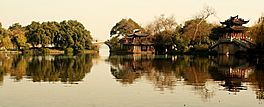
x=243 y=42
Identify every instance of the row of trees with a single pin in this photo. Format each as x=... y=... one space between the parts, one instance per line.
x=193 y=71
x=168 y=36
x=66 y=69
x=66 y=34
x=195 y=35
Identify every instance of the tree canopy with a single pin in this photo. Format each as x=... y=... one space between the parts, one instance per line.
x=125 y=27
x=257 y=31
x=122 y=29
x=167 y=36
x=17 y=34
x=5 y=41
x=63 y=35
x=198 y=38
x=66 y=34
x=164 y=31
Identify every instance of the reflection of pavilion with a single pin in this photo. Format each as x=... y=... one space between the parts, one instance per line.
x=127 y=69
x=156 y=69
x=232 y=71
x=234 y=78
x=162 y=71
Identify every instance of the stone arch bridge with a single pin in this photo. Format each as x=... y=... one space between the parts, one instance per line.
x=232 y=46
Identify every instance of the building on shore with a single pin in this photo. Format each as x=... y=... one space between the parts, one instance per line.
x=234 y=38
x=137 y=43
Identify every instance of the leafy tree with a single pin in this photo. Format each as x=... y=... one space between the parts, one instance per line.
x=66 y=34
x=164 y=31
x=73 y=34
x=114 y=44
x=199 y=40
x=5 y=41
x=125 y=27
x=33 y=33
x=17 y=33
x=121 y=30
x=216 y=33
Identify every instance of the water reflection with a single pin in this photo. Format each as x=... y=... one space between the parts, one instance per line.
x=233 y=71
x=257 y=80
x=66 y=69
x=163 y=71
x=229 y=72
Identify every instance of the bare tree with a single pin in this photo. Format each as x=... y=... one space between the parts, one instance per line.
x=203 y=15
x=161 y=24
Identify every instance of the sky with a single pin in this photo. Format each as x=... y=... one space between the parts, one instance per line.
x=99 y=16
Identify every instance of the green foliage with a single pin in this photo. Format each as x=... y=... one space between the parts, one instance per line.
x=73 y=34
x=164 y=31
x=197 y=31
x=216 y=33
x=17 y=34
x=125 y=27
x=33 y=33
x=6 y=42
x=163 y=40
x=169 y=37
x=204 y=29
x=196 y=34
x=68 y=51
x=121 y=30
x=66 y=34
x=114 y=44
x=4 y=38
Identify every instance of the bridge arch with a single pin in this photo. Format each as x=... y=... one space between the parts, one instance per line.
x=231 y=46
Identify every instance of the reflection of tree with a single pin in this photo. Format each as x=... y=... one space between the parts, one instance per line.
x=233 y=71
x=62 y=68
x=163 y=74
x=197 y=75
x=257 y=80
x=5 y=65
x=19 y=67
x=162 y=71
x=127 y=69
x=46 y=68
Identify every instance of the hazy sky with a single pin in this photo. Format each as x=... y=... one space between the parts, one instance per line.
x=99 y=16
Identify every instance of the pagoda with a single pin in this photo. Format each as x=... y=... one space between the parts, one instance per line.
x=233 y=39
x=234 y=29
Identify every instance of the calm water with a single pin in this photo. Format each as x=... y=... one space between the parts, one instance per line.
x=130 y=81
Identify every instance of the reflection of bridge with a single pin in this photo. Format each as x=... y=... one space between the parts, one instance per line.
x=233 y=71
x=232 y=45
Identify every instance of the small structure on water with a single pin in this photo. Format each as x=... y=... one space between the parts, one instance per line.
x=234 y=39
x=137 y=43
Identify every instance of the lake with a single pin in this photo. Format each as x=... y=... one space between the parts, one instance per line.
x=130 y=81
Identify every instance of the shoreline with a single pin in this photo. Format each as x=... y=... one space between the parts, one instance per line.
x=51 y=52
